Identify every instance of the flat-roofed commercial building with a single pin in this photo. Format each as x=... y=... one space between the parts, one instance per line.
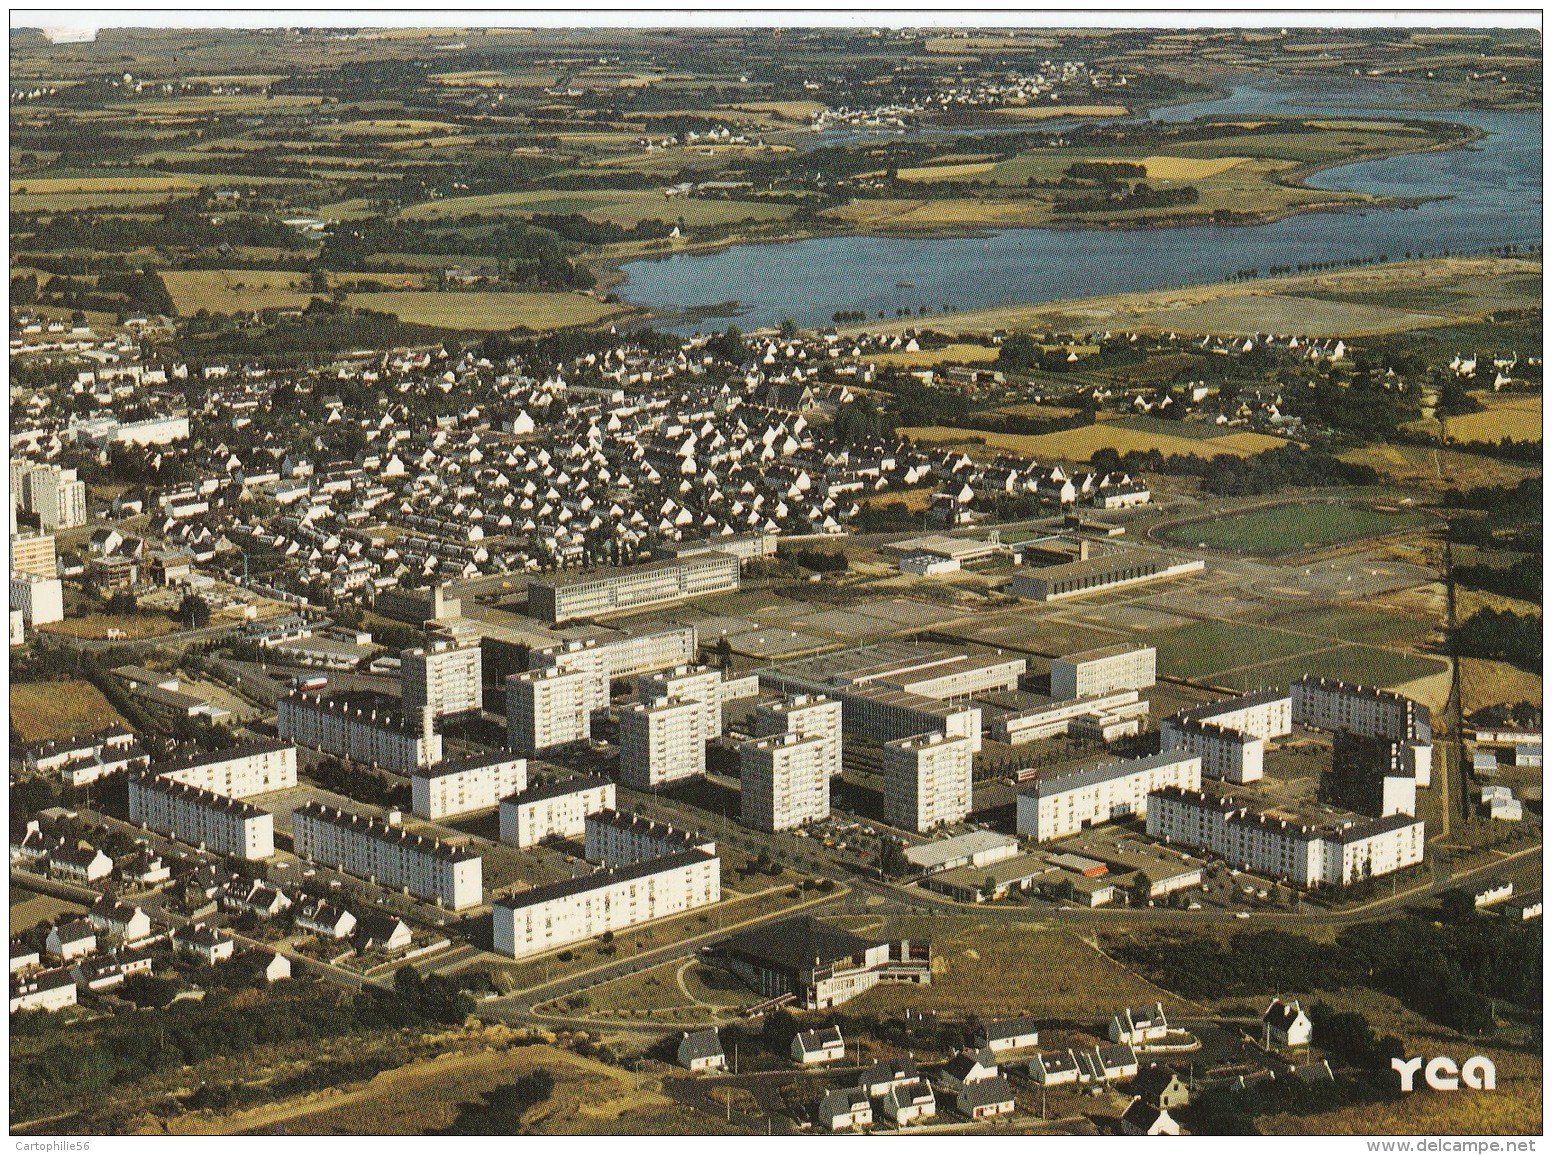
x=567 y=596
x=1369 y=712
x=550 y=708
x=557 y=809
x=1335 y=855
x=701 y=684
x=1067 y=716
x=1103 y=671
x=808 y=716
x=390 y=856
x=249 y=768
x=561 y=913
x=1058 y=805
x=743 y=546
x=1097 y=574
x=444 y=675
x=362 y=726
x=618 y=838
x=927 y=780
x=461 y=785
x=662 y=741
x=976 y=849
x=190 y=814
x=783 y=781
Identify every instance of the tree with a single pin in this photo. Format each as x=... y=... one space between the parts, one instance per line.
x=891 y=857
x=194 y=611
x=724 y=654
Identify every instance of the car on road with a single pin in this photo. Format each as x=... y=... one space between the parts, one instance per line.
x=1242 y=914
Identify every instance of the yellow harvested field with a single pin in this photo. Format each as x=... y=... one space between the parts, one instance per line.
x=945 y=171
x=1188 y=167
x=798 y=110
x=1078 y=445
x=41 y=710
x=489 y=311
x=102 y=184
x=948 y=355
x=1279 y=313
x=388 y=128
x=620 y=206
x=1515 y=415
x=1484 y=683
x=1051 y=111
x=240 y=290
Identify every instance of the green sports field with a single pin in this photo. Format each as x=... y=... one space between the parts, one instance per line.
x=1285 y=528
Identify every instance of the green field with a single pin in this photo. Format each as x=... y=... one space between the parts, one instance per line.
x=623 y=207
x=1284 y=528
x=1202 y=648
x=1365 y=665
x=1355 y=624
x=496 y=310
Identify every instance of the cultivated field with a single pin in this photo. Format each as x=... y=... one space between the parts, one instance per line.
x=493 y=310
x=1485 y=683
x=617 y=206
x=959 y=354
x=1513 y=415
x=1051 y=111
x=42 y=710
x=244 y=290
x=1285 y=528
x=1079 y=445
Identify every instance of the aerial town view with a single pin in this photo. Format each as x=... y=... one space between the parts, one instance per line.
x=706 y=578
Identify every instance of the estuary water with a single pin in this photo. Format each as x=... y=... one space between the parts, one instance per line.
x=1492 y=190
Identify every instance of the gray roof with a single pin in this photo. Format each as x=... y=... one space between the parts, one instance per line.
x=841 y=1102
x=700 y=1045
x=556 y=788
x=1106 y=771
x=1008 y=1028
x=985 y=1092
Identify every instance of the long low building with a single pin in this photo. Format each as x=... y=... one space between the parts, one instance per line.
x=200 y=817
x=389 y=855
x=567 y=596
x=615 y=838
x=1302 y=854
x=1097 y=574
x=557 y=809
x=1062 y=716
x=361 y=726
x=560 y=913
x=1059 y=805
x=249 y=768
x=461 y=785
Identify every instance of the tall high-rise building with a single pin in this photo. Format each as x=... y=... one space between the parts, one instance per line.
x=701 y=684
x=34 y=553
x=809 y=716
x=784 y=781
x=445 y=675
x=549 y=708
x=662 y=741
x=55 y=496
x=927 y=781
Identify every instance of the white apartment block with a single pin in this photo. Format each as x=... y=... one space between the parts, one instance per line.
x=561 y=598
x=550 y=708
x=38 y=599
x=450 y=876
x=1064 y=804
x=927 y=780
x=625 y=656
x=55 y=496
x=584 y=658
x=1261 y=713
x=784 y=780
x=1229 y=755
x=1063 y=716
x=701 y=684
x=462 y=785
x=197 y=816
x=1301 y=854
x=34 y=553
x=251 y=768
x=554 y=810
x=361 y=726
x=444 y=675
x=1329 y=704
x=662 y=741
x=808 y=716
x=561 y=913
x=615 y=838
x=1103 y=671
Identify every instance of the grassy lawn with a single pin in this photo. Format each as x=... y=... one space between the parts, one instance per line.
x=1202 y=648
x=1284 y=528
x=1079 y=445
x=494 y=310
x=621 y=206
x=1355 y=624
x=146 y=625
x=42 y=710
x=1363 y=664
x=1516 y=416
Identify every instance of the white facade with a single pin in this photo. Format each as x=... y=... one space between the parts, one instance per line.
x=622 y=839
x=784 y=780
x=462 y=785
x=662 y=741
x=364 y=727
x=555 y=810
x=444 y=675
x=190 y=814
x=562 y=598
x=1329 y=704
x=1050 y=719
x=450 y=876
x=251 y=768
x=550 y=708
x=927 y=780
x=561 y=913
x=1103 y=671
x=701 y=684
x=55 y=495
x=808 y=716
x=625 y=656
x=1229 y=755
x=1305 y=855
x=1064 y=804
x=38 y=599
